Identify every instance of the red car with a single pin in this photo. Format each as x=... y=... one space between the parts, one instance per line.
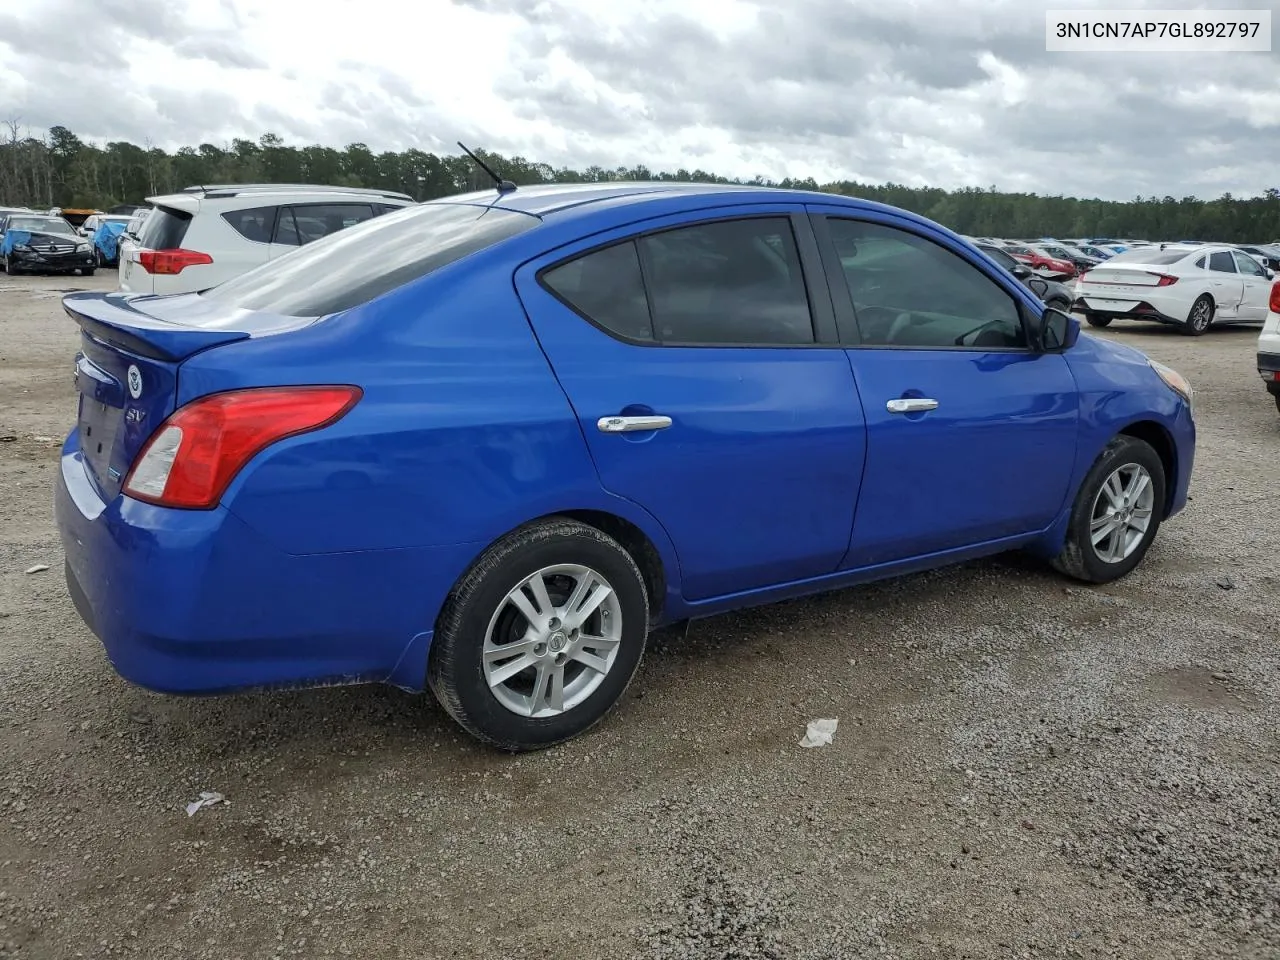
x=1046 y=266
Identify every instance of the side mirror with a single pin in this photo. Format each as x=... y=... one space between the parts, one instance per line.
x=1036 y=284
x=1054 y=330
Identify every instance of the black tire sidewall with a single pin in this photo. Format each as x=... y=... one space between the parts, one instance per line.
x=1096 y=321
x=1121 y=451
x=455 y=672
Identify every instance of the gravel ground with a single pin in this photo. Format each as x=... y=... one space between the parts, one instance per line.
x=1023 y=767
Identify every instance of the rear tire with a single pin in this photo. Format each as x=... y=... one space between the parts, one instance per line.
x=1106 y=537
x=575 y=669
x=1200 y=317
x=1094 y=320
x=88 y=271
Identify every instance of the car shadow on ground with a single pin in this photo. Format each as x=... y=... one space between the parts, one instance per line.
x=373 y=724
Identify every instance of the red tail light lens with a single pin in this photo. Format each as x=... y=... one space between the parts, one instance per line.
x=198 y=450
x=170 y=262
x=1165 y=280
x=1274 y=305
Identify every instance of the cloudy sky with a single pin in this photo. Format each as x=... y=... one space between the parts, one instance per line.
x=921 y=92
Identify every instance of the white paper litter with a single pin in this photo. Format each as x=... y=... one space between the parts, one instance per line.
x=819 y=732
x=38 y=568
x=207 y=799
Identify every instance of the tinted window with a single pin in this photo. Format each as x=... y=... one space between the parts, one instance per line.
x=909 y=291
x=286 y=228
x=253 y=224
x=736 y=281
x=1221 y=261
x=316 y=220
x=1250 y=267
x=355 y=265
x=164 y=229
x=606 y=286
x=999 y=256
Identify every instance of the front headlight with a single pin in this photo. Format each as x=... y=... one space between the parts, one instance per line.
x=22 y=248
x=1177 y=383
x=82 y=248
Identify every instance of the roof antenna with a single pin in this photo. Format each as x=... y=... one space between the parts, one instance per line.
x=503 y=186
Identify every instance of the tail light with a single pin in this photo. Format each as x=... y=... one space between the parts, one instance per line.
x=196 y=453
x=1274 y=305
x=1165 y=280
x=170 y=262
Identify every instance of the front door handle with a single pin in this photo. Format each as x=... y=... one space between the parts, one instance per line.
x=631 y=424
x=911 y=405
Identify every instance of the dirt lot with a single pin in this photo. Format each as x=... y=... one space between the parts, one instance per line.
x=1023 y=768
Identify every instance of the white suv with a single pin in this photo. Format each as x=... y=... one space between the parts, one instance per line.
x=205 y=235
x=1269 y=346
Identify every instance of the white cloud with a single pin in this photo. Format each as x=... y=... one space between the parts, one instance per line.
x=942 y=92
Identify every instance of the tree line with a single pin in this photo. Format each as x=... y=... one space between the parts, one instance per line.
x=63 y=170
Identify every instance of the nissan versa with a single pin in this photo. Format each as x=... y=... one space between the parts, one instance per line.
x=485 y=444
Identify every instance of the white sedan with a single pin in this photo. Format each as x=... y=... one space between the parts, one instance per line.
x=1190 y=287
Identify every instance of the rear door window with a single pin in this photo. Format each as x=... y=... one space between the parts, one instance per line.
x=356 y=264
x=315 y=220
x=1222 y=262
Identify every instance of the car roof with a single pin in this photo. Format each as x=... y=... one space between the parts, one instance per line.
x=561 y=200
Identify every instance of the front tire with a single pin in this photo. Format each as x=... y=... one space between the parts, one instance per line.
x=1200 y=317
x=1116 y=514
x=540 y=638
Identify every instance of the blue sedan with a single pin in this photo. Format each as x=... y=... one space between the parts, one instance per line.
x=485 y=444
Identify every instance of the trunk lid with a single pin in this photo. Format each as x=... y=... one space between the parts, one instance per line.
x=1136 y=276
x=126 y=371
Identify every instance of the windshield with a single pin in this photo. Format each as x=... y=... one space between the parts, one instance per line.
x=41 y=225
x=356 y=264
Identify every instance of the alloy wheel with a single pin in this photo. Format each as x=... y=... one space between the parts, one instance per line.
x=1121 y=513
x=552 y=640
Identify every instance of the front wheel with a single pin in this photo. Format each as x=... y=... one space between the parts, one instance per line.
x=1200 y=317
x=540 y=638
x=1116 y=514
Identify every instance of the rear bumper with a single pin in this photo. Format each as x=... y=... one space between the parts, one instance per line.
x=196 y=602
x=1269 y=369
x=1143 y=310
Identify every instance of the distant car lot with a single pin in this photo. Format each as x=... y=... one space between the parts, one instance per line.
x=1019 y=761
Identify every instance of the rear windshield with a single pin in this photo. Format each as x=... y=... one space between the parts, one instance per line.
x=354 y=265
x=1152 y=257
x=164 y=229
x=41 y=225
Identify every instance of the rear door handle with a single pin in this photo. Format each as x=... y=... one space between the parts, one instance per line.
x=911 y=405
x=631 y=424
